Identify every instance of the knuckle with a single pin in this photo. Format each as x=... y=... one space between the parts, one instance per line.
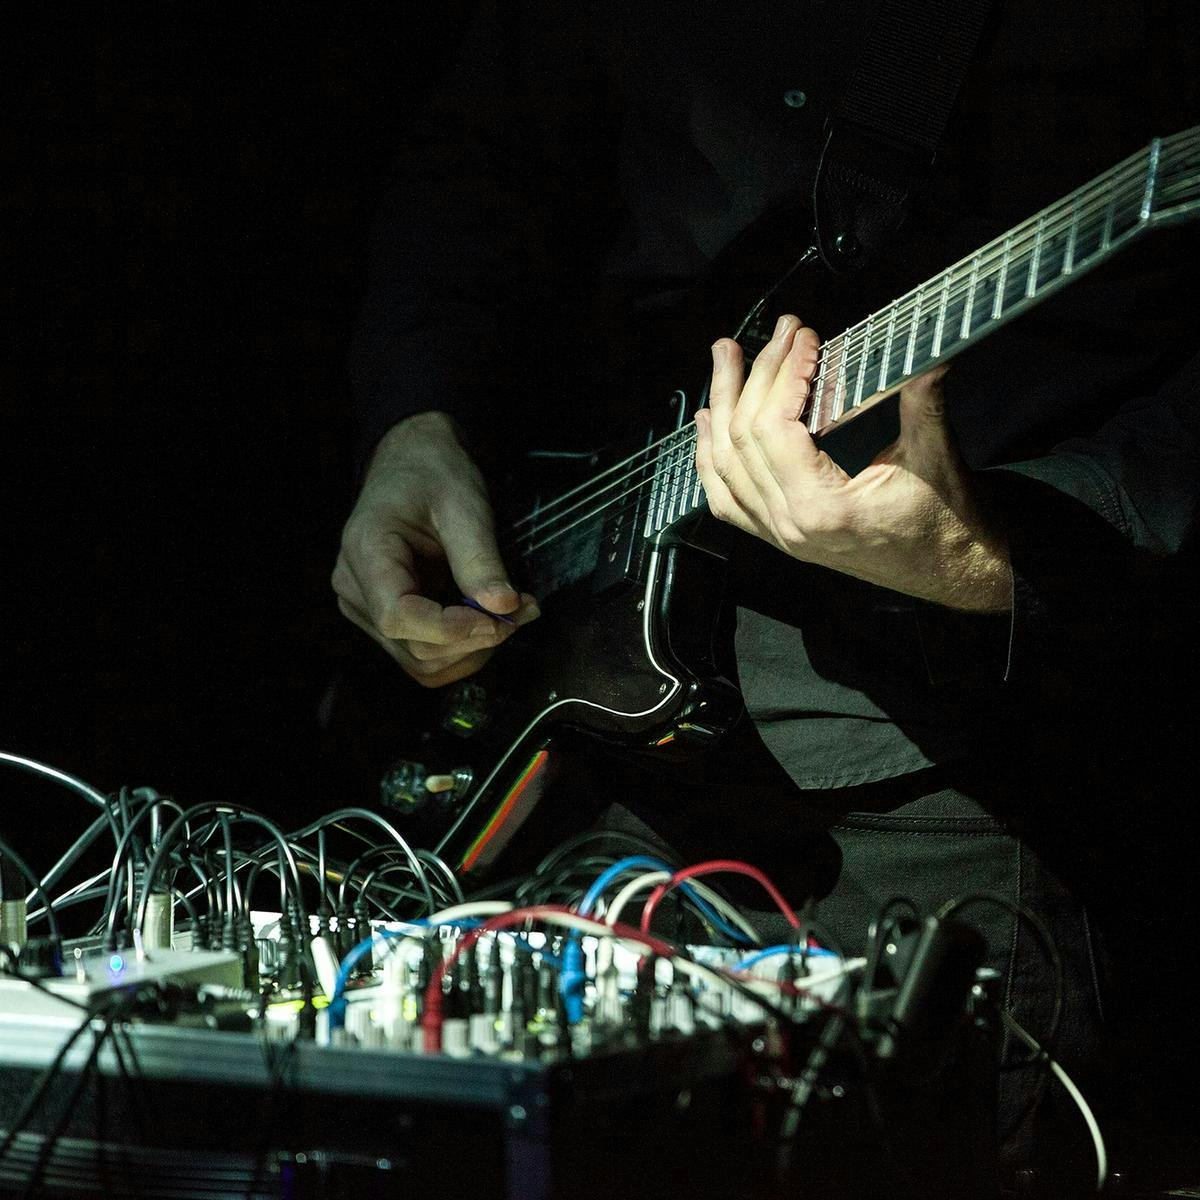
x=723 y=467
x=719 y=508
x=424 y=652
x=390 y=623
x=424 y=668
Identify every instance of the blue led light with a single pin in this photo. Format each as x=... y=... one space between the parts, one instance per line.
x=116 y=964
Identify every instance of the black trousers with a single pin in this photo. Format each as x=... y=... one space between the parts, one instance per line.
x=934 y=836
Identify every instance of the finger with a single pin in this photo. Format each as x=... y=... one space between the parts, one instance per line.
x=782 y=438
x=382 y=564
x=924 y=435
x=764 y=412
x=429 y=672
x=770 y=361
x=721 y=502
x=352 y=606
x=724 y=393
x=474 y=558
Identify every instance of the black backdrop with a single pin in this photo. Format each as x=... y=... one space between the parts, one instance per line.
x=186 y=206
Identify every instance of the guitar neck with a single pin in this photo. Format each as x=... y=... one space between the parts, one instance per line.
x=875 y=358
x=1021 y=268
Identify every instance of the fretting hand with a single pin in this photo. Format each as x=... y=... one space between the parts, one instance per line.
x=908 y=522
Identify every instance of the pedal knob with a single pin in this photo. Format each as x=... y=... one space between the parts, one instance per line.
x=465 y=709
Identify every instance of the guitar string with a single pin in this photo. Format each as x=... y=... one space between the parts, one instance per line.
x=1041 y=228
x=828 y=350
x=681 y=460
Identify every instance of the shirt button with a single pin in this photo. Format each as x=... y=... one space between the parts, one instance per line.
x=795 y=98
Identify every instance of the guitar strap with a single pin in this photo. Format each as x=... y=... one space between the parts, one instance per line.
x=885 y=127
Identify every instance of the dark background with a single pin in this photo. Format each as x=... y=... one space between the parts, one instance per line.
x=187 y=202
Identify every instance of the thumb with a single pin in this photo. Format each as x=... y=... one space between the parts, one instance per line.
x=475 y=562
x=924 y=434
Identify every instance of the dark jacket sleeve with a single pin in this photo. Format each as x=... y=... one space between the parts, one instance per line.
x=1096 y=532
x=467 y=247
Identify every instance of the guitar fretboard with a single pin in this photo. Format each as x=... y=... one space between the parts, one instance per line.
x=929 y=325
x=975 y=296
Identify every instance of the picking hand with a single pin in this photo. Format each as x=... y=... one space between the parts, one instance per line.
x=422 y=523
x=908 y=522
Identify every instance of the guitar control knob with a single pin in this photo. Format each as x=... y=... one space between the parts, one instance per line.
x=403 y=787
x=408 y=786
x=465 y=709
x=452 y=787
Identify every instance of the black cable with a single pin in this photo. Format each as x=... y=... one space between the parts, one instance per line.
x=365 y=814
x=878 y=936
x=440 y=864
x=124 y=843
x=322 y=868
x=230 y=913
x=387 y=869
x=71 y=855
x=1042 y=1059
x=1043 y=936
x=365 y=857
x=239 y=813
x=89 y=793
x=641 y=844
x=92 y=893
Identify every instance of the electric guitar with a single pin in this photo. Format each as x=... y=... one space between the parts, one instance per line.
x=627 y=572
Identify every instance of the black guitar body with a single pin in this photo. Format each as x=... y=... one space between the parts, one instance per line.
x=629 y=573
x=628 y=649
x=636 y=666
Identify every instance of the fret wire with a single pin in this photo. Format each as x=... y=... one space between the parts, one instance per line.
x=965 y=330
x=1109 y=216
x=819 y=398
x=839 y=379
x=1035 y=261
x=998 y=303
x=912 y=336
x=1151 y=179
x=941 y=317
x=887 y=347
x=862 y=370
x=1072 y=238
